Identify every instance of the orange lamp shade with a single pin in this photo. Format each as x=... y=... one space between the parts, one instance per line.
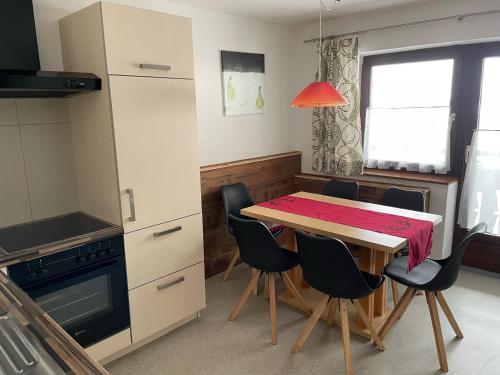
x=318 y=94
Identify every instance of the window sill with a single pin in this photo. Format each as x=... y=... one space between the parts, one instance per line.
x=411 y=176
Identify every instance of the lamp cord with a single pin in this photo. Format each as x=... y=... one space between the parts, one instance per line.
x=320 y=40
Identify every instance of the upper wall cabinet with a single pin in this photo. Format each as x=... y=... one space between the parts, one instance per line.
x=148 y=43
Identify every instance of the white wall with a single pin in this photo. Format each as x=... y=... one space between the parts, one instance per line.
x=220 y=138
x=482 y=28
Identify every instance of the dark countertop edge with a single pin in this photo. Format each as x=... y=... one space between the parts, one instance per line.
x=67 y=351
x=55 y=247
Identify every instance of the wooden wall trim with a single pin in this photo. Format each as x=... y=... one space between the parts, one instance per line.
x=235 y=163
x=266 y=177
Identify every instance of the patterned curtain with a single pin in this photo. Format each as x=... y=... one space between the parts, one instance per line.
x=337 y=148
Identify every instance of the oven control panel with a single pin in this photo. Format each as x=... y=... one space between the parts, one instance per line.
x=72 y=259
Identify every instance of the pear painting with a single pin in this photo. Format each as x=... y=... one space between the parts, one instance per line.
x=230 y=93
x=243 y=83
x=260 y=100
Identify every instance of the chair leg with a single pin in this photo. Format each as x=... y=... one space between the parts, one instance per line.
x=272 y=307
x=255 y=291
x=229 y=268
x=294 y=292
x=346 y=340
x=438 y=334
x=334 y=302
x=449 y=315
x=306 y=331
x=244 y=296
x=398 y=311
x=368 y=324
x=266 y=287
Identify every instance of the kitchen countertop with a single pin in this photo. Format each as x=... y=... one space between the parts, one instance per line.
x=72 y=358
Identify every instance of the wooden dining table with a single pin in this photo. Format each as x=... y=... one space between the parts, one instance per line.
x=374 y=250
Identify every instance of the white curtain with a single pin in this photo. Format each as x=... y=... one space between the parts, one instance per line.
x=480 y=200
x=408 y=122
x=417 y=139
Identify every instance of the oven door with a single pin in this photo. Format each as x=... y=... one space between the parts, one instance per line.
x=90 y=303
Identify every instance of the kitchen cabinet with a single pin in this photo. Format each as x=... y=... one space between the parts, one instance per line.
x=136 y=154
x=164 y=302
x=141 y=42
x=155 y=125
x=163 y=249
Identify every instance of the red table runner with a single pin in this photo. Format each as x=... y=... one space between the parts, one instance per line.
x=417 y=232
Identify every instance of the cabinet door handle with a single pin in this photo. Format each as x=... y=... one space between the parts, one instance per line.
x=168 y=231
x=155 y=66
x=168 y=284
x=131 y=201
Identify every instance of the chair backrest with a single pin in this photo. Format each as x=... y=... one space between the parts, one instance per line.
x=234 y=198
x=405 y=199
x=258 y=248
x=451 y=265
x=342 y=189
x=328 y=266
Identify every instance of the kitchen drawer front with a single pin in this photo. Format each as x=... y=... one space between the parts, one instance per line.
x=164 y=302
x=161 y=42
x=154 y=252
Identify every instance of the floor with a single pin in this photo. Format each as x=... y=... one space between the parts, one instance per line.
x=212 y=345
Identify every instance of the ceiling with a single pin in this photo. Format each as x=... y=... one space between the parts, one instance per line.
x=293 y=11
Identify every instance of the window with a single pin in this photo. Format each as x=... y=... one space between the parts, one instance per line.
x=407 y=123
x=489 y=110
x=480 y=200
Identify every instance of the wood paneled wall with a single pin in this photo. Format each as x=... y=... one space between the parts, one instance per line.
x=369 y=191
x=266 y=177
x=482 y=253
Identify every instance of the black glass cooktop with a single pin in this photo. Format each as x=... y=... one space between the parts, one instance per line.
x=38 y=233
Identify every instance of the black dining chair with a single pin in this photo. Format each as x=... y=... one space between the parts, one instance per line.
x=431 y=276
x=402 y=198
x=342 y=189
x=406 y=200
x=328 y=266
x=234 y=198
x=259 y=250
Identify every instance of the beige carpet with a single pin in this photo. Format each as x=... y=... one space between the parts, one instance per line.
x=212 y=345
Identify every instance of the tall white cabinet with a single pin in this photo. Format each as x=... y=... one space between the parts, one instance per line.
x=136 y=153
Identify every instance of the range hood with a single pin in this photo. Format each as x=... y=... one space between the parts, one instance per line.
x=20 y=74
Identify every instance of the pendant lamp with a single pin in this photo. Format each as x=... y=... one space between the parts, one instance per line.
x=319 y=94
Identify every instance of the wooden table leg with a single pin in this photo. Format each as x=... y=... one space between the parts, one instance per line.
x=367 y=264
x=375 y=305
x=291 y=244
x=381 y=259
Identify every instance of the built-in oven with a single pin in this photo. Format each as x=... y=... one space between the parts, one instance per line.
x=84 y=289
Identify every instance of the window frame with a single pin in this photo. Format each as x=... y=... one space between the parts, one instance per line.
x=465 y=104
x=419 y=55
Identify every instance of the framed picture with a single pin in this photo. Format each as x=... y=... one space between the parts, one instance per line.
x=243 y=82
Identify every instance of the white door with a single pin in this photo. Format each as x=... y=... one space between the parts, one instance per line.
x=156 y=147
